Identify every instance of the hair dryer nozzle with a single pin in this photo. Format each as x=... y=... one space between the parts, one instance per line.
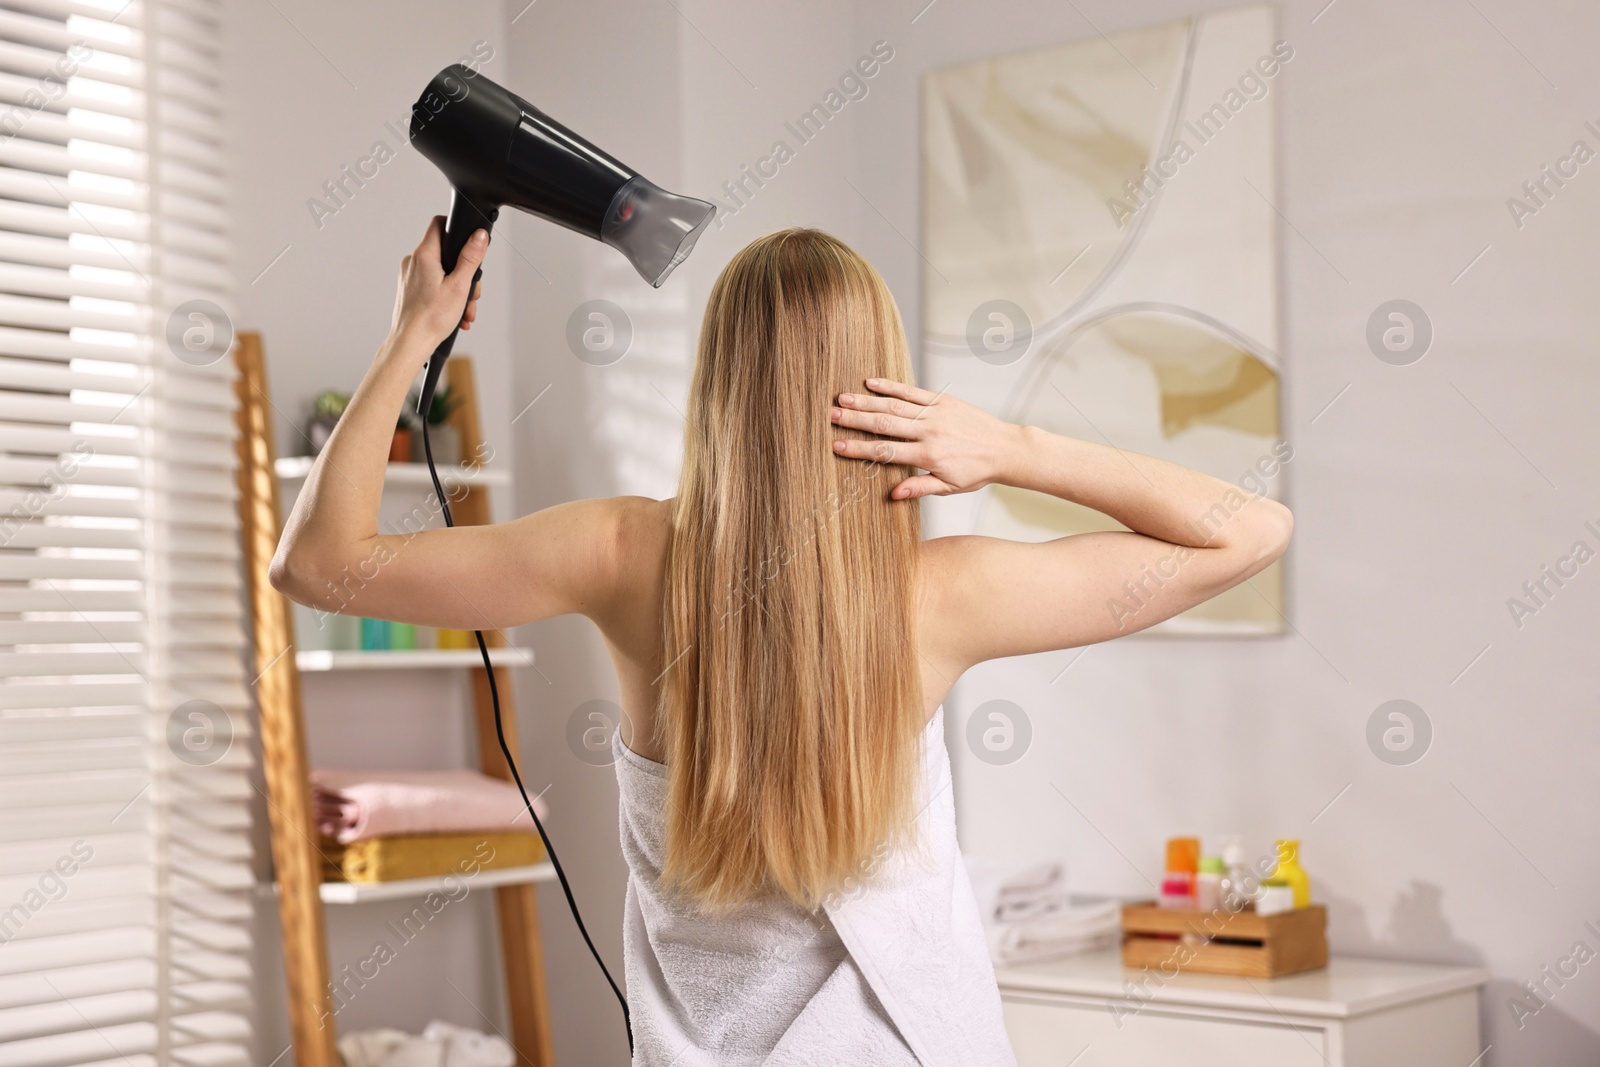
x=655 y=229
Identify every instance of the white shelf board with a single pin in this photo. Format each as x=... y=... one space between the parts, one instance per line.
x=361 y=892
x=314 y=659
x=295 y=468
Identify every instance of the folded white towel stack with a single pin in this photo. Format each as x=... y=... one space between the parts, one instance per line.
x=1028 y=915
x=441 y=1044
x=1032 y=893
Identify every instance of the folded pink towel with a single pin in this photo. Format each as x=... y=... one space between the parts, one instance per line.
x=354 y=805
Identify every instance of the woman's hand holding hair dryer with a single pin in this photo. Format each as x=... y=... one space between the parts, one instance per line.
x=428 y=302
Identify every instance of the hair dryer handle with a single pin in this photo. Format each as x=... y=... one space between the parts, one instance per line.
x=466 y=216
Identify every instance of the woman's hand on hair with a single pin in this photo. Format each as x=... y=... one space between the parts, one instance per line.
x=962 y=447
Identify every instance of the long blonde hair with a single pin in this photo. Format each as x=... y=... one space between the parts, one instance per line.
x=791 y=702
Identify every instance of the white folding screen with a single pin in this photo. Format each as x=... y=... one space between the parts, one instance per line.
x=125 y=865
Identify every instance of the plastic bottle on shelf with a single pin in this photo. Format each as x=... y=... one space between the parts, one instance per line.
x=1238 y=889
x=1208 y=884
x=402 y=636
x=447 y=638
x=1291 y=873
x=1175 y=893
x=1183 y=862
x=1276 y=895
x=374 y=635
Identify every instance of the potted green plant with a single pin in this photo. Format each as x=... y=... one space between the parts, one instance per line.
x=442 y=434
x=325 y=412
x=400 y=446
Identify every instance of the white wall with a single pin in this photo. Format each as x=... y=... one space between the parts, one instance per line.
x=1421 y=495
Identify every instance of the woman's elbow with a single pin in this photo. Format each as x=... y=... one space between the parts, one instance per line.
x=292 y=573
x=1277 y=528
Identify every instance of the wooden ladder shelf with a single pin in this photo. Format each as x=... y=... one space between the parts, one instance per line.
x=296 y=859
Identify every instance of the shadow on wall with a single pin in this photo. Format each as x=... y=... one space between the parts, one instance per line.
x=1524 y=1028
x=1417 y=930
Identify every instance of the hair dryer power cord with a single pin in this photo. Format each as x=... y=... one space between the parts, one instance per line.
x=505 y=750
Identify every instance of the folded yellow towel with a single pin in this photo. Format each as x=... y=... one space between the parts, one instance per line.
x=391 y=859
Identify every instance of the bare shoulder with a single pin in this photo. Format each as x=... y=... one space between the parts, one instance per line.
x=635 y=532
x=591 y=551
x=944 y=568
x=990 y=597
x=941 y=559
x=946 y=559
x=643 y=525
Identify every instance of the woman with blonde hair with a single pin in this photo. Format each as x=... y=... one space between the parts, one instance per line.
x=783 y=641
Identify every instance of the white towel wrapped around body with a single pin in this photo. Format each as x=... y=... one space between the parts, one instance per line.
x=897 y=974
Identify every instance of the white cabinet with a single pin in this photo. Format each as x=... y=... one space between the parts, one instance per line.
x=1089 y=1011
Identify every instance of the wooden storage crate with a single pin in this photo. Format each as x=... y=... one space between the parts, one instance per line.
x=1238 y=943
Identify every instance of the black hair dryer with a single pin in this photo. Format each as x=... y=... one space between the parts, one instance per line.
x=497 y=149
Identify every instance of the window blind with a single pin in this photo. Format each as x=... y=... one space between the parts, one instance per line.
x=125 y=863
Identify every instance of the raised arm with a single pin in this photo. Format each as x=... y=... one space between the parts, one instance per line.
x=1190 y=536
x=332 y=555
